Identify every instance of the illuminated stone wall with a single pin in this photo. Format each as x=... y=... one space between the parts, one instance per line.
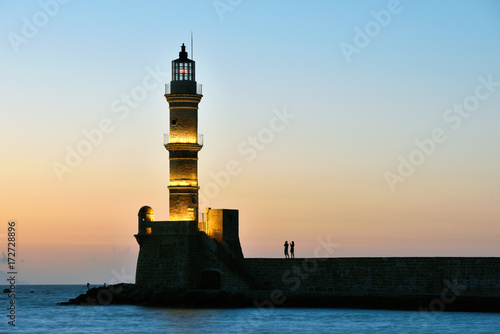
x=176 y=254
x=183 y=172
x=183 y=150
x=223 y=227
x=183 y=118
x=183 y=204
x=183 y=125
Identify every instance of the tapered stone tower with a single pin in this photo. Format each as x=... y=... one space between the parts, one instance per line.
x=183 y=141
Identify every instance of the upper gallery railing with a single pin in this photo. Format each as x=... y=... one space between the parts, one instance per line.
x=172 y=138
x=199 y=89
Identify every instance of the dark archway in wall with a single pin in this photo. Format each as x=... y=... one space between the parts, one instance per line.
x=210 y=280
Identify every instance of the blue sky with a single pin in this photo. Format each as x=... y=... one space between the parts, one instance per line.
x=351 y=118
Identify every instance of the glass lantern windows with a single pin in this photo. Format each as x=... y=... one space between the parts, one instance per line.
x=183 y=71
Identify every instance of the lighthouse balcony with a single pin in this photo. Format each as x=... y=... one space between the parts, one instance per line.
x=172 y=138
x=168 y=88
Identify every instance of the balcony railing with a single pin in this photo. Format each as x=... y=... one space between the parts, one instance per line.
x=199 y=89
x=171 y=138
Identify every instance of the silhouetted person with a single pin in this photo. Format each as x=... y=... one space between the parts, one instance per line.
x=286 y=249
x=292 y=245
x=88 y=286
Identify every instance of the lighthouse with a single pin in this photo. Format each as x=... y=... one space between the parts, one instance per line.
x=183 y=141
x=182 y=252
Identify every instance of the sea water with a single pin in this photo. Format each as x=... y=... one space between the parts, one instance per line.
x=37 y=312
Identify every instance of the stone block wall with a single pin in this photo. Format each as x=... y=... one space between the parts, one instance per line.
x=207 y=255
x=165 y=256
x=407 y=275
x=176 y=254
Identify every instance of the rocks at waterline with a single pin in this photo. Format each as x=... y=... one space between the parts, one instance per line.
x=125 y=293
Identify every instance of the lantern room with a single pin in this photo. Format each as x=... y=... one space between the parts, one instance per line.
x=183 y=74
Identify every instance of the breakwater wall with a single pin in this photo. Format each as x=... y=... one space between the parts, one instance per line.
x=444 y=276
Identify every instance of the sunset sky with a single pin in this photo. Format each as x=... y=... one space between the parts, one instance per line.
x=372 y=123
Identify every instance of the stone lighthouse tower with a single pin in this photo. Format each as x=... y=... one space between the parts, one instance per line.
x=183 y=141
x=181 y=252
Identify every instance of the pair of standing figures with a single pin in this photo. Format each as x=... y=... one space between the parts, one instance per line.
x=292 y=251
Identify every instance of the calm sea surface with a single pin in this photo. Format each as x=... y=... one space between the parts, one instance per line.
x=37 y=312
